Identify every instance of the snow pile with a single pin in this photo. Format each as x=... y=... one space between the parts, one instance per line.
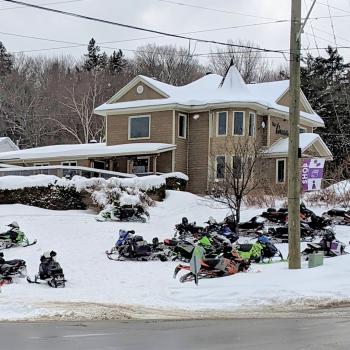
x=175 y=174
x=19 y=182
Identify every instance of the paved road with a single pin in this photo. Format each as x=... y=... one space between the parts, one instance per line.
x=242 y=334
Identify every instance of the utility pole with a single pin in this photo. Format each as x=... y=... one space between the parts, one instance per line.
x=293 y=149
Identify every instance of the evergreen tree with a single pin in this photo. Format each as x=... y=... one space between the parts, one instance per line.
x=92 y=58
x=6 y=60
x=102 y=61
x=116 y=62
x=325 y=82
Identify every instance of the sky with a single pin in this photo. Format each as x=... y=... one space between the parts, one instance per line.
x=170 y=16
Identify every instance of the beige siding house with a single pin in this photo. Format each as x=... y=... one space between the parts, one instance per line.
x=153 y=127
x=199 y=118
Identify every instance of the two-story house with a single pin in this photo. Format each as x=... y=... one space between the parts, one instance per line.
x=153 y=127
x=201 y=115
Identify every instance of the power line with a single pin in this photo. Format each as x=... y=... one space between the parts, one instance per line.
x=139 y=28
x=47 y=3
x=214 y=10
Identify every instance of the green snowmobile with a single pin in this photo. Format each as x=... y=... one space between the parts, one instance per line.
x=14 y=237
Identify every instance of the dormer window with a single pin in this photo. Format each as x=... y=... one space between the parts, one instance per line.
x=182 y=127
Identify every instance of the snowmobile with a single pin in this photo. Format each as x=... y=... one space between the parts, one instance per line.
x=338 y=216
x=11 y=268
x=215 y=229
x=50 y=271
x=251 y=226
x=125 y=213
x=133 y=247
x=329 y=245
x=212 y=268
x=187 y=230
x=318 y=223
x=259 y=251
x=280 y=234
x=14 y=237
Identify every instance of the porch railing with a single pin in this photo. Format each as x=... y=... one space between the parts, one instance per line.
x=62 y=171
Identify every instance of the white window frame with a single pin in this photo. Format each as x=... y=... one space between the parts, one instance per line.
x=41 y=164
x=149 y=129
x=216 y=167
x=233 y=123
x=254 y=127
x=284 y=170
x=217 y=123
x=69 y=163
x=178 y=126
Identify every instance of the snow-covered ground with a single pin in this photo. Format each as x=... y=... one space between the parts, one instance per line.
x=99 y=287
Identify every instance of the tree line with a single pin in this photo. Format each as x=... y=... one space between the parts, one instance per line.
x=51 y=100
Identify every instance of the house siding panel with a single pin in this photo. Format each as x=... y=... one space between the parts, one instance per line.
x=198 y=153
x=161 y=128
x=132 y=95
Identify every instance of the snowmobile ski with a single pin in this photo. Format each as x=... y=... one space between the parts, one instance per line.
x=30 y=243
x=29 y=280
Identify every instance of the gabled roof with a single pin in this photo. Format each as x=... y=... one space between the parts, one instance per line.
x=306 y=141
x=207 y=92
x=6 y=144
x=81 y=151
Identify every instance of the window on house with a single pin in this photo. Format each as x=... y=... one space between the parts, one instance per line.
x=41 y=164
x=238 y=123
x=302 y=130
x=280 y=171
x=236 y=167
x=139 y=127
x=182 y=126
x=69 y=163
x=251 y=131
x=141 y=165
x=221 y=129
x=220 y=167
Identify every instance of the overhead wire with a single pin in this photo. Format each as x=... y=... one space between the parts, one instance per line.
x=47 y=3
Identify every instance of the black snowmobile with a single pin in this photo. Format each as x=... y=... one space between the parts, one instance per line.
x=50 y=271
x=14 y=237
x=133 y=247
x=187 y=230
x=329 y=245
x=11 y=268
x=338 y=216
x=280 y=234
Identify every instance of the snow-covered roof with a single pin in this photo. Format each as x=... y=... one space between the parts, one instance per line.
x=306 y=140
x=77 y=151
x=6 y=145
x=207 y=92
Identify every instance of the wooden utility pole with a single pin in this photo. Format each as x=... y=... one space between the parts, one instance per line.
x=293 y=149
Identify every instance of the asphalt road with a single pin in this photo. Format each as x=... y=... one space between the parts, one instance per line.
x=242 y=334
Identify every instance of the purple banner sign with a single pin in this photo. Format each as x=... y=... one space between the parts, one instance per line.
x=312 y=174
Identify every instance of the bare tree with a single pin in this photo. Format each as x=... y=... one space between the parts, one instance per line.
x=249 y=62
x=169 y=64
x=234 y=173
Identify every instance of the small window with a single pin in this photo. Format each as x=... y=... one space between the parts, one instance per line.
x=69 y=163
x=139 y=127
x=280 y=171
x=182 y=126
x=238 y=123
x=41 y=164
x=251 y=131
x=220 y=167
x=221 y=129
x=302 y=130
x=236 y=167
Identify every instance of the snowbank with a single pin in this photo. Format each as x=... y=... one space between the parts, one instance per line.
x=19 y=182
x=175 y=174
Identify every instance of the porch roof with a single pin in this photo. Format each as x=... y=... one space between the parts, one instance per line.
x=83 y=151
x=306 y=141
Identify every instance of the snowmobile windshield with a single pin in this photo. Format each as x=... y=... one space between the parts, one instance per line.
x=263 y=239
x=204 y=241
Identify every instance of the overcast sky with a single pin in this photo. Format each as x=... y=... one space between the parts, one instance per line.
x=168 y=16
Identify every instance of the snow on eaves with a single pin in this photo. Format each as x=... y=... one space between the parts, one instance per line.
x=76 y=151
x=207 y=91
